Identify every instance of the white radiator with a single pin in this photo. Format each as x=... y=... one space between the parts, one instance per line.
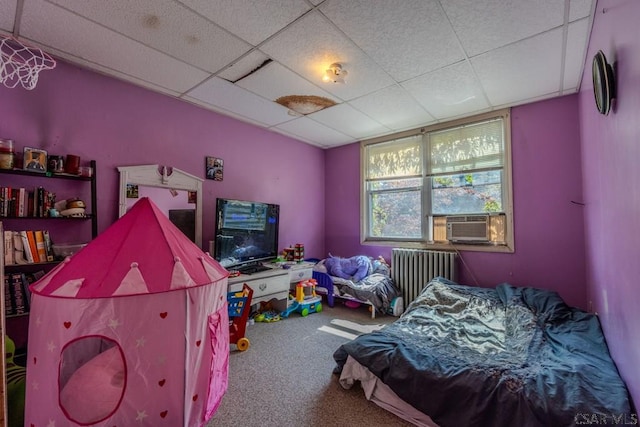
x=411 y=269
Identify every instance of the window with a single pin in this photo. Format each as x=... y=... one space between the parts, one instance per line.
x=443 y=185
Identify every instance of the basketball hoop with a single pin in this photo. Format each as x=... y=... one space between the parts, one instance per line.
x=20 y=64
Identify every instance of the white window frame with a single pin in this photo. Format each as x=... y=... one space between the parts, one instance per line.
x=423 y=243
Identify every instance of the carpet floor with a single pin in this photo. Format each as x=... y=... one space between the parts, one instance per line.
x=285 y=377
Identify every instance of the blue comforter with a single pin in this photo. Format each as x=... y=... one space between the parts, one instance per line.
x=509 y=356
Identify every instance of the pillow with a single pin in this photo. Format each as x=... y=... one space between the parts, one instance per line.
x=94 y=390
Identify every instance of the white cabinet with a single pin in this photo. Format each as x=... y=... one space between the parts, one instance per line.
x=266 y=286
x=299 y=272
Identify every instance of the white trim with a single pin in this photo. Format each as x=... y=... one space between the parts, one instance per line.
x=507 y=188
x=158 y=176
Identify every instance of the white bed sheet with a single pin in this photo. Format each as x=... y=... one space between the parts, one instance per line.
x=380 y=394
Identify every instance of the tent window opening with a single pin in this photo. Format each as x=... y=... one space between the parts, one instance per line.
x=92 y=379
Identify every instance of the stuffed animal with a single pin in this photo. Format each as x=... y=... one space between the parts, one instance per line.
x=16 y=381
x=355 y=268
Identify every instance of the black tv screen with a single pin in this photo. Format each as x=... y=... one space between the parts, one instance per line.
x=245 y=232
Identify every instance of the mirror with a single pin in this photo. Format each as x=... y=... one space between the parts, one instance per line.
x=166 y=184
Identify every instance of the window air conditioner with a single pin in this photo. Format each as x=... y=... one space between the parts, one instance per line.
x=468 y=228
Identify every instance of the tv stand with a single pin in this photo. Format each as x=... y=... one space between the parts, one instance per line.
x=272 y=283
x=252 y=268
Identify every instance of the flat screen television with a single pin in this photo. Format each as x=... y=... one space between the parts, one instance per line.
x=246 y=232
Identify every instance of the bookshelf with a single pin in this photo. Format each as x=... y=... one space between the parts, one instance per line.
x=41 y=178
x=60 y=228
x=3 y=372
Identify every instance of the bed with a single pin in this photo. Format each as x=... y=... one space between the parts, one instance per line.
x=469 y=356
x=359 y=280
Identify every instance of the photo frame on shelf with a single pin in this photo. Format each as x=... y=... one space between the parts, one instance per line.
x=214 y=168
x=34 y=160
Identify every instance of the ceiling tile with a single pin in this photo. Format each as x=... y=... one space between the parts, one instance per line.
x=252 y=20
x=7 y=15
x=579 y=9
x=407 y=38
x=410 y=63
x=112 y=73
x=311 y=44
x=346 y=119
x=274 y=81
x=314 y=132
x=483 y=25
x=221 y=93
x=160 y=25
x=243 y=66
x=93 y=43
x=577 y=40
x=448 y=92
x=394 y=108
x=523 y=70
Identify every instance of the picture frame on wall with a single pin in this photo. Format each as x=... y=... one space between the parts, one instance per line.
x=35 y=160
x=192 y=196
x=214 y=168
x=132 y=191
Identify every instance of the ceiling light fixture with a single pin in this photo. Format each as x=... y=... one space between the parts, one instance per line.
x=335 y=73
x=305 y=104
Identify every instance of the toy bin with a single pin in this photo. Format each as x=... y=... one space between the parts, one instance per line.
x=239 y=307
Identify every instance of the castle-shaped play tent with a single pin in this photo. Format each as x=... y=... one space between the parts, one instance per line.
x=130 y=331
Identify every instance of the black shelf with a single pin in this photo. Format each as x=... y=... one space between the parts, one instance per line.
x=93 y=217
x=48 y=218
x=30 y=265
x=47 y=174
x=13 y=316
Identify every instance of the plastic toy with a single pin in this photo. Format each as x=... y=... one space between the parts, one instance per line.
x=306 y=301
x=239 y=304
x=268 y=316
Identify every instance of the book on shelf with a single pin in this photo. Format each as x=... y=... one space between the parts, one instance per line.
x=7 y=203
x=40 y=247
x=48 y=245
x=31 y=237
x=25 y=245
x=17 y=284
x=19 y=256
x=9 y=309
x=17 y=295
x=22 y=202
x=28 y=280
x=39 y=202
x=9 y=257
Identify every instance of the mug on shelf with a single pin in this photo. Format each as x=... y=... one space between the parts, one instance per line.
x=72 y=164
x=55 y=164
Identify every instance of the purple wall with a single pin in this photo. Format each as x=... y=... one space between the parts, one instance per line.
x=74 y=111
x=610 y=159
x=549 y=237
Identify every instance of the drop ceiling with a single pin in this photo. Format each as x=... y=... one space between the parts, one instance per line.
x=410 y=63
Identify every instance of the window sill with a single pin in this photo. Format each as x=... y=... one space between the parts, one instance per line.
x=444 y=246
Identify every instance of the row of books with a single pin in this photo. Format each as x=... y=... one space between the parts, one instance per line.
x=21 y=202
x=17 y=297
x=27 y=247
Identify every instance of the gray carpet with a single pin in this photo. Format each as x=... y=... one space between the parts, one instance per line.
x=285 y=377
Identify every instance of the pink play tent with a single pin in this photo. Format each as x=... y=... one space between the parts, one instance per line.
x=130 y=331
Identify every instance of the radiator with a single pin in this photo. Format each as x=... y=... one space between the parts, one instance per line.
x=411 y=269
